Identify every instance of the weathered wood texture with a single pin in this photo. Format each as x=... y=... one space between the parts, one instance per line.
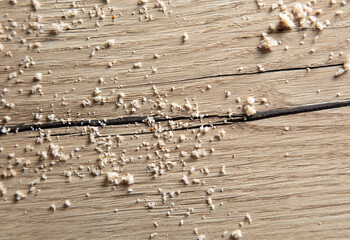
x=300 y=196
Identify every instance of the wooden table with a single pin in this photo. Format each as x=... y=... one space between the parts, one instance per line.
x=289 y=173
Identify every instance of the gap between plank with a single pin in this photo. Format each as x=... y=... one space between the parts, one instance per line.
x=137 y=119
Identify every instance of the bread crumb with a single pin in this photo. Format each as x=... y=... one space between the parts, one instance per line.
x=138 y=65
x=260 y=3
x=248 y=218
x=7 y=119
x=185 y=37
x=56 y=28
x=223 y=170
x=260 y=68
x=339 y=12
x=43 y=176
x=142 y=2
x=267 y=42
x=263 y=100
x=38 y=77
x=185 y=180
x=150 y=205
x=250 y=100
x=3 y=190
x=319 y=11
x=36 y=4
x=110 y=43
x=201 y=237
x=19 y=195
x=154 y=70
x=153 y=235
x=67 y=203
x=286 y=22
x=320 y=26
x=52 y=207
x=249 y=108
x=36 y=88
x=237 y=234
x=345 y=68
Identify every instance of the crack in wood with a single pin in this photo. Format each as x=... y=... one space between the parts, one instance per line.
x=238 y=74
x=141 y=119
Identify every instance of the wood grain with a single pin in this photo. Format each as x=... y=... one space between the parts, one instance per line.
x=299 y=195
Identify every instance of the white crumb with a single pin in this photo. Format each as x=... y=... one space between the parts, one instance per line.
x=185 y=37
x=36 y=4
x=3 y=190
x=345 y=68
x=286 y=22
x=248 y=218
x=249 y=108
x=185 y=180
x=237 y=234
x=138 y=65
x=339 y=12
x=110 y=43
x=267 y=43
x=201 y=237
x=67 y=203
x=52 y=207
x=19 y=195
x=153 y=235
x=38 y=77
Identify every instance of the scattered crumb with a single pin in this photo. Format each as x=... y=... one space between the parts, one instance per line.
x=138 y=65
x=267 y=42
x=345 y=68
x=3 y=190
x=36 y=4
x=286 y=22
x=110 y=43
x=185 y=37
x=339 y=12
x=52 y=207
x=38 y=77
x=201 y=237
x=248 y=218
x=237 y=234
x=67 y=203
x=249 y=108
x=19 y=195
x=153 y=235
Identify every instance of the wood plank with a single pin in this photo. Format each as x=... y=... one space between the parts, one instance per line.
x=291 y=195
x=292 y=183
x=216 y=46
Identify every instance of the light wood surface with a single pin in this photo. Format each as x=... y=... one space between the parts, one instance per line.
x=293 y=184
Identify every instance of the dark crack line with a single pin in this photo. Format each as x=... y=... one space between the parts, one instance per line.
x=141 y=119
x=238 y=74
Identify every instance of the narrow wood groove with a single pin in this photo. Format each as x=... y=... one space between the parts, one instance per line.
x=141 y=119
x=239 y=74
